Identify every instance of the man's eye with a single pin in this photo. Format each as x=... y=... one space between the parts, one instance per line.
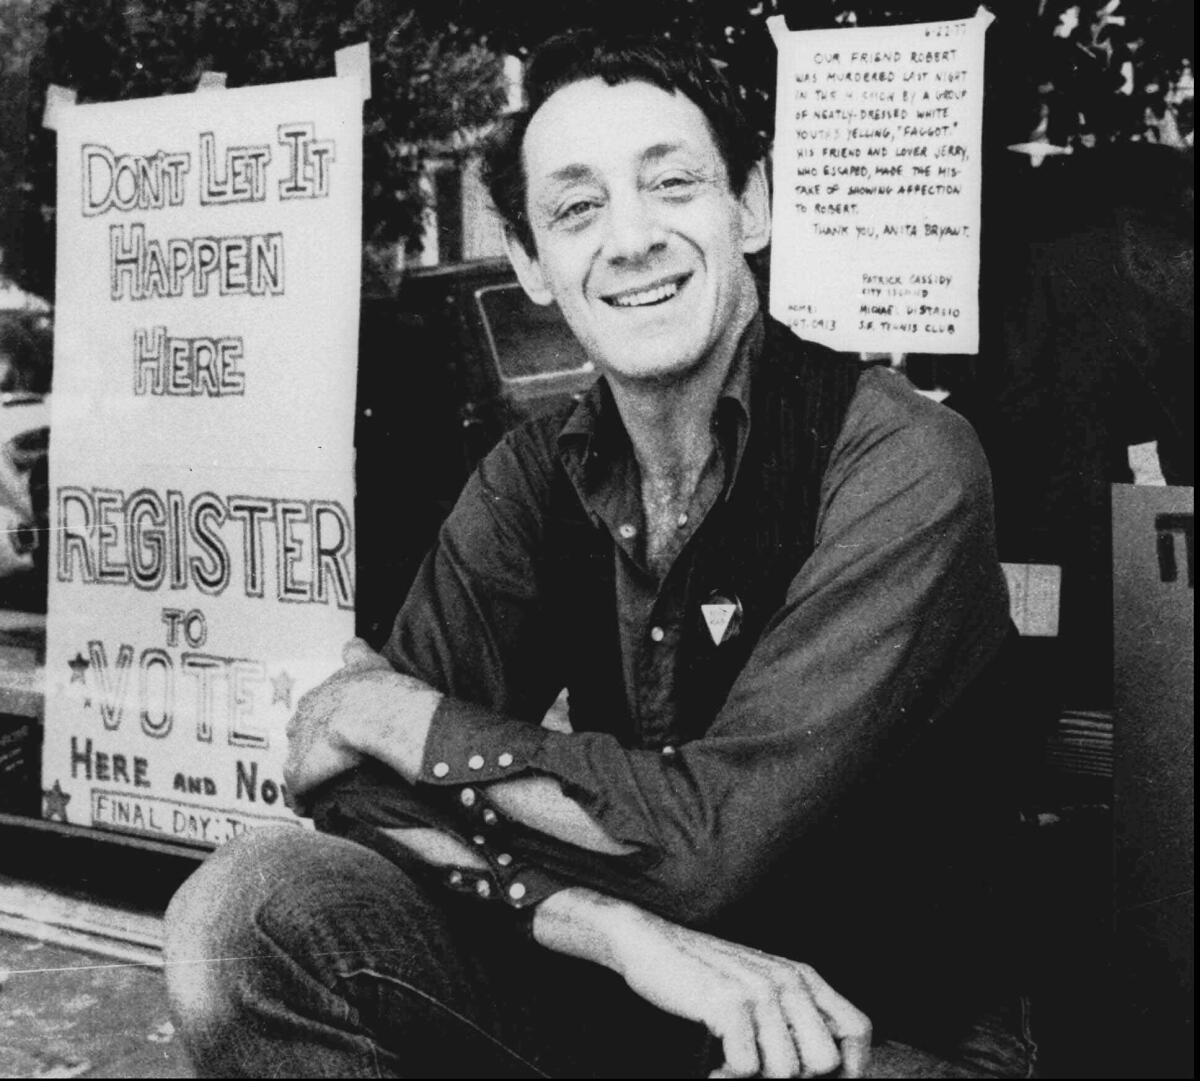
x=676 y=183
x=575 y=210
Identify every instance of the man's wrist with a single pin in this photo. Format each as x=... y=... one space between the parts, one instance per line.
x=584 y=924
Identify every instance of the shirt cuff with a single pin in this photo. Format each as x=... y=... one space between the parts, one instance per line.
x=470 y=744
x=363 y=805
x=519 y=883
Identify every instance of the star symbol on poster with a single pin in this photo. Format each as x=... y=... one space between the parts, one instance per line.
x=79 y=666
x=281 y=689
x=54 y=803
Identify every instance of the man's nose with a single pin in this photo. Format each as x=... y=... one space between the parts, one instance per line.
x=634 y=230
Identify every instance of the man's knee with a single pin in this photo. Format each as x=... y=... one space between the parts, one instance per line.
x=253 y=922
x=293 y=943
x=209 y=926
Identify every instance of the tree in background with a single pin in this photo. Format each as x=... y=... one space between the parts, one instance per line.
x=1122 y=59
x=437 y=70
x=430 y=79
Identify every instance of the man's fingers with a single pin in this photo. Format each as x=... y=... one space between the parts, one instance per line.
x=356 y=654
x=849 y=1025
x=856 y=1054
x=734 y=1027
x=813 y=1042
x=779 y=1051
x=296 y=802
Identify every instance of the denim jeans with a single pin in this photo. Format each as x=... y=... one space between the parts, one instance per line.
x=296 y=954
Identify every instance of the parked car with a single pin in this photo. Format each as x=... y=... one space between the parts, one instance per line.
x=26 y=337
x=457 y=357
x=26 y=347
x=507 y=357
x=24 y=434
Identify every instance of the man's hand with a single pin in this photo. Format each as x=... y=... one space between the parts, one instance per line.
x=362 y=709
x=774 y=1017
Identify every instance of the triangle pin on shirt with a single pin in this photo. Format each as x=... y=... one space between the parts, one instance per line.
x=721 y=616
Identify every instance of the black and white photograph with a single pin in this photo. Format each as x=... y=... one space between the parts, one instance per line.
x=614 y=540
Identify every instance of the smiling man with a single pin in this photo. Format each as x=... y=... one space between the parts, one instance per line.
x=768 y=584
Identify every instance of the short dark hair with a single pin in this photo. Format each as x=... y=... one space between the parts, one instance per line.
x=589 y=54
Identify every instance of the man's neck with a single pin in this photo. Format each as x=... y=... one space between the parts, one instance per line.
x=670 y=424
x=670 y=427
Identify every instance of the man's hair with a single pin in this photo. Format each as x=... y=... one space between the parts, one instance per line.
x=590 y=54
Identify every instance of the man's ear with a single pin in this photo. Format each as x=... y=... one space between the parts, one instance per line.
x=529 y=270
x=755 y=201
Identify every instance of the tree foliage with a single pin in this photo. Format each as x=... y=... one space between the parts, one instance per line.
x=429 y=80
x=437 y=69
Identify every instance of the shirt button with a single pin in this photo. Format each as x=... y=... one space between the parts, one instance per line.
x=505 y=760
x=682 y=520
x=504 y=859
x=657 y=634
x=516 y=891
x=468 y=797
x=483 y=888
x=475 y=761
x=441 y=769
x=627 y=531
x=489 y=817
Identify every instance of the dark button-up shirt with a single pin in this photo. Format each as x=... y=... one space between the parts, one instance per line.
x=899 y=608
x=651 y=612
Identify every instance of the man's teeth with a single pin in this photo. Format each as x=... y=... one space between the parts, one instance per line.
x=647 y=296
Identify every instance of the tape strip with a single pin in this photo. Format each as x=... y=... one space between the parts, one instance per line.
x=58 y=98
x=354 y=62
x=212 y=80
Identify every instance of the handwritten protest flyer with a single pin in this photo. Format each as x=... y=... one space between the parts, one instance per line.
x=202 y=556
x=877 y=184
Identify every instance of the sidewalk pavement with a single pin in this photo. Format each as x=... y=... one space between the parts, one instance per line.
x=68 y=1013
x=82 y=992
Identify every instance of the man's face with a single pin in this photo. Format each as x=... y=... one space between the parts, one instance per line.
x=639 y=237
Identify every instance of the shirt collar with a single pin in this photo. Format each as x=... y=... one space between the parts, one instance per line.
x=594 y=434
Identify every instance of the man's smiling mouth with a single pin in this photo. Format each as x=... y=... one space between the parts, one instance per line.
x=648 y=296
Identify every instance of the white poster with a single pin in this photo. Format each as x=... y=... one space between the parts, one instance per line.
x=877 y=182
x=201 y=456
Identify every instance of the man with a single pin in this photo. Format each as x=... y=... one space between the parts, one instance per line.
x=764 y=581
